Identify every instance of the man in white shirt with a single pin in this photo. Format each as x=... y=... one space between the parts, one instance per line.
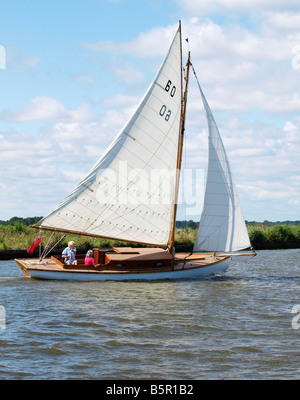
x=69 y=254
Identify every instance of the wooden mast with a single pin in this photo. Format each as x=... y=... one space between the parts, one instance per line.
x=179 y=154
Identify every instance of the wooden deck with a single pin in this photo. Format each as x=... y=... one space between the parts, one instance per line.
x=124 y=261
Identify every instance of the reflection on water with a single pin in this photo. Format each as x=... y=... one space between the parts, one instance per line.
x=232 y=327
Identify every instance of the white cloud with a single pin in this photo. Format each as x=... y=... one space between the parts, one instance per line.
x=38 y=171
x=121 y=101
x=250 y=83
x=283 y=21
x=249 y=74
x=147 y=44
x=234 y=62
x=80 y=140
x=209 y=39
x=129 y=75
x=44 y=108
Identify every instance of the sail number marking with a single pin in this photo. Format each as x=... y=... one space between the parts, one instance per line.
x=163 y=112
x=168 y=86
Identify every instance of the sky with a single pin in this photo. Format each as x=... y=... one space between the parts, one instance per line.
x=73 y=71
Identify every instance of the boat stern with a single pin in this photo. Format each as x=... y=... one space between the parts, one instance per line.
x=23 y=267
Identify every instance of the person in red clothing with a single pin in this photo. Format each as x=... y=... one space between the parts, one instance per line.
x=89 y=260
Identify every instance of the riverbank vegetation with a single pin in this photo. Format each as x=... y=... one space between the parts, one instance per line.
x=17 y=234
x=263 y=236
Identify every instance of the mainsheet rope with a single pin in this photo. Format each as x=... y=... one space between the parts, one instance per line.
x=46 y=251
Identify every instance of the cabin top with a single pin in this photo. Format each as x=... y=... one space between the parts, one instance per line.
x=122 y=253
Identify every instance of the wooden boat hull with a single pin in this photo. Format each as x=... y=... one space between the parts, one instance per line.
x=184 y=268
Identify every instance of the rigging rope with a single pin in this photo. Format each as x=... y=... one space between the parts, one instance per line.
x=45 y=252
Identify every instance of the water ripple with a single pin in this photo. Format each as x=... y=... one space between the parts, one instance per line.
x=232 y=327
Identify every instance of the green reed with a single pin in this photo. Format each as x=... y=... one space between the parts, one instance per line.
x=275 y=236
x=18 y=236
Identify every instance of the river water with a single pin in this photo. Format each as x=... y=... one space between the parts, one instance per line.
x=240 y=326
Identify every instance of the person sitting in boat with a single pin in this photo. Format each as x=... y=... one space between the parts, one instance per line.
x=69 y=254
x=89 y=259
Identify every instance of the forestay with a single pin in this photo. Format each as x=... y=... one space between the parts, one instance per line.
x=222 y=226
x=130 y=191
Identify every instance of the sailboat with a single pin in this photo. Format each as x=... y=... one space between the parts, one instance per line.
x=131 y=195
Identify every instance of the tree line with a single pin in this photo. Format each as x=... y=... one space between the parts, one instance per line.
x=16 y=233
x=25 y=221
x=190 y=224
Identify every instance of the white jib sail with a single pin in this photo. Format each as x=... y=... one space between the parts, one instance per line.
x=129 y=193
x=222 y=226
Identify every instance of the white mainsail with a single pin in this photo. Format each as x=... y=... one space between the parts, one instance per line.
x=222 y=226
x=130 y=191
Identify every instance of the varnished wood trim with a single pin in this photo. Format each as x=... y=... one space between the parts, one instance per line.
x=48 y=228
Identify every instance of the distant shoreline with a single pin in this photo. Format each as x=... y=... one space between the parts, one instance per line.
x=16 y=237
